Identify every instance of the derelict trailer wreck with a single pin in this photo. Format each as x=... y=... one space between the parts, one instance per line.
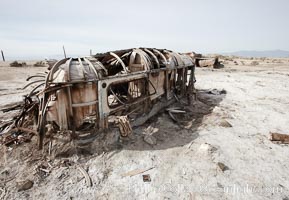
x=126 y=87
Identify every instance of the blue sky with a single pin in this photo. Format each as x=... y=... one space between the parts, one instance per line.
x=38 y=28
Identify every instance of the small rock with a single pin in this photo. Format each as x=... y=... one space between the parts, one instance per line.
x=207 y=148
x=222 y=166
x=220 y=185
x=150 y=139
x=223 y=91
x=146 y=178
x=225 y=123
x=150 y=130
x=26 y=185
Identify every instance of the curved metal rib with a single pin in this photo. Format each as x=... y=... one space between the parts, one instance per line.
x=121 y=62
x=154 y=57
x=32 y=83
x=54 y=69
x=35 y=76
x=67 y=70
x=85 y=74
x=31 y=92
x=92 y=67
x=160 y=54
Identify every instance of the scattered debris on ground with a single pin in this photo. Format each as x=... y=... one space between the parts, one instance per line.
x=146 y=178
x=254 y=63
x=40 y=64
x=225 y=123
x=25 y=185
x=17 y=64
x=193 y=150
x=222 y=166
x=279 y=138
x=86 y=176
x=150 y=139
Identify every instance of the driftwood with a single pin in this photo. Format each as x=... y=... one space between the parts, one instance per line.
x=280 y=138
x=177 y=111
x=136 y=172
x=86 y=176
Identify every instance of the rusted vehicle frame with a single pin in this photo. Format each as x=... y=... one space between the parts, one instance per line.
x=135 y=83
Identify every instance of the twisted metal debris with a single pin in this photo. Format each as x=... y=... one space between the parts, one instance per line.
x=93 y=93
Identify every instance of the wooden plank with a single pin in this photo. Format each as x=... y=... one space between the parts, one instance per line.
x=136 y=172
x=278 y=137
x=62 y=105
x=84 y=104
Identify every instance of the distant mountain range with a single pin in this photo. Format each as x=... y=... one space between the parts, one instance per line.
x=272 y=54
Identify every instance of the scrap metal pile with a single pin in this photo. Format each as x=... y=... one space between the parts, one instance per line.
x=124 y=87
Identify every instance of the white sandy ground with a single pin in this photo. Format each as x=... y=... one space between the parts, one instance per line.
x=12 y=79
x=185 y=161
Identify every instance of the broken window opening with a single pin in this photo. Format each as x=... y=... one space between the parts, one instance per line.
x=126 y=93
